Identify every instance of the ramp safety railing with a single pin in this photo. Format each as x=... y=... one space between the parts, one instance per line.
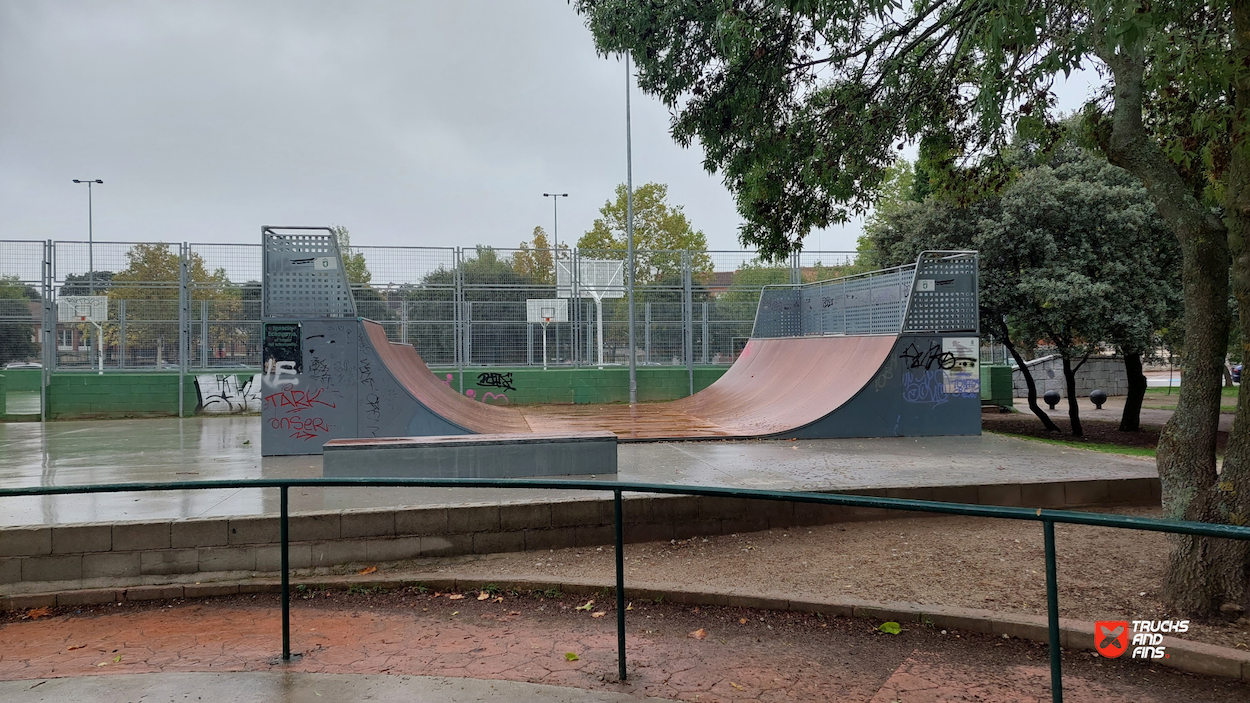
x=1048 y=518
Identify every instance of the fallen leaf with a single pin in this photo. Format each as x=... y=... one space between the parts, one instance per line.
x=455 y=596
x=569 y=656
x=589 y=603
x=117 y=658
x=738 y=686
x=73 y=647
x=483 y=595
x=890 y=628
x=514 y=612
x=699 y=634
x=367 y=570
x=598 y=614
x=36 y=613
x=455 y=612
x=102 y=664
x=499 y=599
x=630 y=606
x=742 y=621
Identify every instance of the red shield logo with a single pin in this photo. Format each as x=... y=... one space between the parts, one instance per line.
x=1111 y=637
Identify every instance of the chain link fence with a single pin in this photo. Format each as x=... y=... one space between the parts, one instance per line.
x=197 y=307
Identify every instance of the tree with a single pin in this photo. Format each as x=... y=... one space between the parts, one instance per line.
x=353 y=261
x=661 y=231
x=534 y=260
x=17 y=338
x=801 y=105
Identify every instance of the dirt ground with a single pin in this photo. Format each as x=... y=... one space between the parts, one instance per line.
x=967 y=562
x=703 y=654
x=1095 y=431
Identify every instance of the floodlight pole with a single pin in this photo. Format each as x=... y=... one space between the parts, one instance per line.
x=90 y=236
x=555 y=259
x=629 y=238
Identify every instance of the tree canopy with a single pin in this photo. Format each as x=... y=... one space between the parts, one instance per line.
x=659 y=230
x=801 y=107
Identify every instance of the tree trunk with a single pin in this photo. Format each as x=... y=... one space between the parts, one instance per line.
x=1032 y=386
x=1074 y=412
x=1228 y=376
x=1185 y=455
x=1130 y=421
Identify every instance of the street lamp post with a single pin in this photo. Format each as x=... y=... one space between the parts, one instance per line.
x=555 y=258
x=90 y=236
x=629 y=238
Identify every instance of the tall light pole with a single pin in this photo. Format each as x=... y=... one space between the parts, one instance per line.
x=555 y=258
x=90 y=236
x=555 y=219
x=629 y=238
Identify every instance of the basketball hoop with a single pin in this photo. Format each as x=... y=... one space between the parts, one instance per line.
x=544 y=311
x=90 y=309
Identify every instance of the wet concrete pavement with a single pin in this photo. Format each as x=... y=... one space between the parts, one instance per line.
x=207 y=448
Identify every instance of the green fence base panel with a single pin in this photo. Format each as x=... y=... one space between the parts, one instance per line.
x=89 y=395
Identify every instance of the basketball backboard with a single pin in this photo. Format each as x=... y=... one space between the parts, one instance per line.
x=545 y=310
x=596 y=278
x=82 y=308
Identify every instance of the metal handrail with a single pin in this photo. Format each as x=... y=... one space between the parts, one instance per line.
x=1047 y=517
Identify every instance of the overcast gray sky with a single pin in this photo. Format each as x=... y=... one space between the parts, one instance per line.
x=411 y=123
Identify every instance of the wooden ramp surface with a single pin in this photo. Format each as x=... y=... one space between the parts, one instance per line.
x=777 y=385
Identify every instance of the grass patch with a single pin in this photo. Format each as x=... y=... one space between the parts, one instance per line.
x=1077 y=444
x=1226 y=392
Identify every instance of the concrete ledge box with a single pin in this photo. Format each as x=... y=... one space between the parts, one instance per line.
x=472 y=456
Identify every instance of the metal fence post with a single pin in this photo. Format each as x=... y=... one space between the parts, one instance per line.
x=688 y=342
x=121 y=334
x=620 y=584
x=706 y=333
x=204 y=333
x=1052 y=614
x=646 y=331
x=47 y=330
x=285 y=551
x=460 y=346
x=184 y=315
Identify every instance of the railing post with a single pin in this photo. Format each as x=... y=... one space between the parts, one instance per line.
x=620 y=586
x=1052 y=614
x=284 y=549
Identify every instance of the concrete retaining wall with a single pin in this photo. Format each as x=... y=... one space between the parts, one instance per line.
x=1102 y=372
x=141 y=554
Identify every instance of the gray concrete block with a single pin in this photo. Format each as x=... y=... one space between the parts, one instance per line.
x=1086 y=492
x=421 y=521
x=955 y=494
x=76 y=539
x=446 y=545
x=153 y=593
x=11 y=570
x=477 y=455
x=651 y=532
x=673 y=509
x=495 y=542
x=253 y=530
x=1134 y=491
x=724 y=508
x=94 y=596
x=637 y=509
x=475 y=518
x=172 y=561
x=1008 y=494
x=140 y=535
x=269 y=558
x=524 y=516
x=111 y=565
x=226 y=558
x=52 y=568
x=208 y=590
x=212 y=532
x=556 y=538
x=25 y=541
x=1042 y=495
x=581 y=513
x=313 y=527
x=341 y=551
x=367 y=523
x=395 y=549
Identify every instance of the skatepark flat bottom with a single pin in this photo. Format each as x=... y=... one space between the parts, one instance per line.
x=639 y=421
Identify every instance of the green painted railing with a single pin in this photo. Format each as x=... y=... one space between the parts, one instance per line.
x=1048 y=518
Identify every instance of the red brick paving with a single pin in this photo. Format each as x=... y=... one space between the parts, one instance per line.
x=524 y=639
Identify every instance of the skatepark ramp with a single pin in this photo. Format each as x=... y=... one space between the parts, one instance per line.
x=888 y=353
